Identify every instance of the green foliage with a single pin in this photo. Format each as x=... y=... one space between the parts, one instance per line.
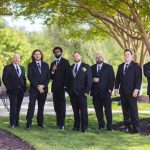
x=12 y=41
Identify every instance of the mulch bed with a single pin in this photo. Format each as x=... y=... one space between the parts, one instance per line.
x=144 y=126
x=9 y=141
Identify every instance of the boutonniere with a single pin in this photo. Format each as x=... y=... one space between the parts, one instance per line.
x=84 y=69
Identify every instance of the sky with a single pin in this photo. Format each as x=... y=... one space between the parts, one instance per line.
x=24 y=24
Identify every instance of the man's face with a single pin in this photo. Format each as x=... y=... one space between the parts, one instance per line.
x=99 y=59
x=37 y=56
x=127 y=56
x=76 y=57
x=57 y=53
x=16 y=59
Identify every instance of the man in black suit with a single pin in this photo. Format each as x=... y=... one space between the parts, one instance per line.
x=147 y=75
x=15 y=82
x=60 y=70
x=128 y=81
x=39 y=76
x=103 y=83
x=80 y=85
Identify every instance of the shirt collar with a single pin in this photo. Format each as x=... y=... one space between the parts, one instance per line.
x=38 y=61
x=58 y=59
x=127 y=63
x=100 y=65
x=78 y=63
x=15 y=65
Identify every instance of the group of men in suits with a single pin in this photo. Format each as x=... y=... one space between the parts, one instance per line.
x=79 y=80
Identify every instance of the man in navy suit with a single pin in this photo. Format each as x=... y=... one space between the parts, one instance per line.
x=60 y=70
x=103 y=83
x=39 y=76
x=147 y=75
x=15 y=82
x=128 y=84
x=80 y=85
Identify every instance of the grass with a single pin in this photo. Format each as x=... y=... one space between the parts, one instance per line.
x=141 y=106
x=51 y=138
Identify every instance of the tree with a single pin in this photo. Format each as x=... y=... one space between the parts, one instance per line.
x=127 y=21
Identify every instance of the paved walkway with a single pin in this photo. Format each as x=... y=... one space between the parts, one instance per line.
x=49 y=109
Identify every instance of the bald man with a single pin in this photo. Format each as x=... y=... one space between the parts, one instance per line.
x=15 y=82
x=102 y=86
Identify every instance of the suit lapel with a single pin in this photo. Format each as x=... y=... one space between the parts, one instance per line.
x=14 y=70
x=36 y=67
x=102 y=69
x=130 y=66
x=22 y=71
x=79 y=70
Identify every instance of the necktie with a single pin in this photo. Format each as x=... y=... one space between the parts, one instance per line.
x=57 y=62
x=76 y=69
x=17 y=69
x=99 y=69
x=39 y=67
x=126 y=67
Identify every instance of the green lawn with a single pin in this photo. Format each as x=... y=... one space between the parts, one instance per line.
x=141 y=106
x=51 y=138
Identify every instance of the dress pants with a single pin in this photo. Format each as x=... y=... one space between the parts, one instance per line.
x=41 y=98
x=100 y=102
x=15 y=105
x=60 y=107
x=130 y=110
x=79 y=105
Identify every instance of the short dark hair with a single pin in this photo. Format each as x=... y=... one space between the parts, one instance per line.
x=76 y=52
x=128 y=50
x=37 y=50
x=57 y=48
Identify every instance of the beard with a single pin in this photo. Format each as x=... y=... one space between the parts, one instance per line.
x=99 y=62
x=58 y=56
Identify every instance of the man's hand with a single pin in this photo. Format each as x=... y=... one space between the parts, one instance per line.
x=41 y=88
x=116 y=92
x=95 y=79
x=54 y=68
x=135 y=93
x=86 y=94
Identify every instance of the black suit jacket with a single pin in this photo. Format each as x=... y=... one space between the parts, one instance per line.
x=106 y=80
x=61 y=75
x=147 y=75
x=12 y=81
x=82 y=82
x=37 y=78
x=131 y=80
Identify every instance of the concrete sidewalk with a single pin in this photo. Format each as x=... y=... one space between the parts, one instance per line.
x=49 y=109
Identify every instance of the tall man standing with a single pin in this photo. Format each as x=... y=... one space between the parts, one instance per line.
x=80 y=85
x=103 y=83
x=147 y=75
x=60 y=70
x=128 y=81
x=39 y=76
x=15 y=82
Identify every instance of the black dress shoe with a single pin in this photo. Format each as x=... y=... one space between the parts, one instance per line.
x=41 y=126
x=12 y=126
x=62 y=128
x=17 y=125
x=28 y=126
x=109 y=129
x=75 y=129
x=134 y=131
x=84 y=131
x=126 y=130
